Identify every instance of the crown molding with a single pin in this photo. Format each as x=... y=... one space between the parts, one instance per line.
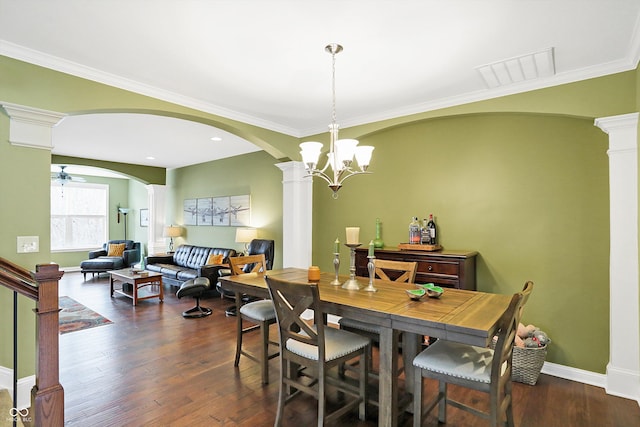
x=69 y=67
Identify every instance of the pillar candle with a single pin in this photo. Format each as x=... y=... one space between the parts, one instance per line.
x=336 y=246
x=371 y=248
x=353 y=235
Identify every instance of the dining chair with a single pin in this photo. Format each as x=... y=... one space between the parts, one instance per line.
x=261 y=313
x=397 y=271
x=477 y=368
x=309 y=352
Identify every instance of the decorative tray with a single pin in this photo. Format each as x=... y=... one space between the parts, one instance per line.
x=416 y=247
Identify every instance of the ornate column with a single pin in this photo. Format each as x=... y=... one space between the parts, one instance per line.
x=623 y=370
x=297 y=200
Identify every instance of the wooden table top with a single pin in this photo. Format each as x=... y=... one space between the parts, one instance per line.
x=465 y=316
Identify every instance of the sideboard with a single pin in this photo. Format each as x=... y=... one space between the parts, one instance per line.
x=449 y=268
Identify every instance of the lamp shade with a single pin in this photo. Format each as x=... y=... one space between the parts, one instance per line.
x=245 y=235
x=172 y=231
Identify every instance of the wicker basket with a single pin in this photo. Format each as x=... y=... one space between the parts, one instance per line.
x=527 y=364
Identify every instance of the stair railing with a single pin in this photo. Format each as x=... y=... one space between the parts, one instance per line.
x=47 y=396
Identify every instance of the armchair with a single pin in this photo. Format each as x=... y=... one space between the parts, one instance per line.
x=112 y=256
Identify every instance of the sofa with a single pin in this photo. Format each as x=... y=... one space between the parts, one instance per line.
x=100 y=261
x=189 y=262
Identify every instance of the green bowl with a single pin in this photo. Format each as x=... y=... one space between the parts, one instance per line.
x=432 y=290
x=416 y=294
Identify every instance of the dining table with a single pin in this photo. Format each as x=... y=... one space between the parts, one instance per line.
x=469 y=317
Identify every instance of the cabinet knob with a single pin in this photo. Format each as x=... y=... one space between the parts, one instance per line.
x=430 y=268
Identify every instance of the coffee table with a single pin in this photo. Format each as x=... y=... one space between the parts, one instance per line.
x=144 y=284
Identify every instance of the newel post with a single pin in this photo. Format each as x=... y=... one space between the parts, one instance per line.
x=47 y=396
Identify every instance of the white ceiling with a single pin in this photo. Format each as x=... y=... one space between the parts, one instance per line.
x=263 y=62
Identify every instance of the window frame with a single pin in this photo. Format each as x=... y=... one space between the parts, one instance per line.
x=104 y=238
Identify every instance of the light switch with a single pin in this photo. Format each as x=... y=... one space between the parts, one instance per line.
x=27 y=244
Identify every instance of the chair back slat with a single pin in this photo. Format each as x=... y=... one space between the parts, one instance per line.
x=255 y=263
x=397 y=271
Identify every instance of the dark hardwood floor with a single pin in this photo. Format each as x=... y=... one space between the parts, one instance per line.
x=153 y=367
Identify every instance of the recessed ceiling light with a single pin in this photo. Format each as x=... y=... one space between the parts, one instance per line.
x=150 y=158
x=216 y=138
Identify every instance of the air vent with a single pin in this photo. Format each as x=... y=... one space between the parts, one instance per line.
x=518 y=69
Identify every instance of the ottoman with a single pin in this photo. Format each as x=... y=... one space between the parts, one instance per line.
x=101 y=265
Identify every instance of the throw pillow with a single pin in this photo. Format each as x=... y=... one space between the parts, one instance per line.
x=215 y=259
x=116 y=249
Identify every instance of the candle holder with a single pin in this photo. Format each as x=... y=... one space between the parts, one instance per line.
x=336 y=266
x=371 y=266
x=352 y=283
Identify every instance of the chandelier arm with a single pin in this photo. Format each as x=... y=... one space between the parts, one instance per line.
x=341 y=180
x=320 y=174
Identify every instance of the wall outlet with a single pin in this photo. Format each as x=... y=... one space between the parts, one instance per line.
x=28 y=244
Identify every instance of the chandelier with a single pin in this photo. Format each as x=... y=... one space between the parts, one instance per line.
x=341 y=151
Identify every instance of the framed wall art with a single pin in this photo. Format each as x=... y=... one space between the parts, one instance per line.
x=144 y=217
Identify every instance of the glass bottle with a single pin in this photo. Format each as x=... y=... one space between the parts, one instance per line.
x=431 y=225
x=414 y=231
x=378 y=243
x=424 y=233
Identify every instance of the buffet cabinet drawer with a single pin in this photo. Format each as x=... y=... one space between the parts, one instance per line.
x=454 y=269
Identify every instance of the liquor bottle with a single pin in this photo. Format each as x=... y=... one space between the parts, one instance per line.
x=414 y=231
x=424 y=233
x=431 y=225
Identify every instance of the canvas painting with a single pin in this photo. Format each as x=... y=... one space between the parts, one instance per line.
x=221 y=211
x=240 y=211
x=190 y=212
x=205 y=211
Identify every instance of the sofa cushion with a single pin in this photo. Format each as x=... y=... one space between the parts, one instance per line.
x=215 y=259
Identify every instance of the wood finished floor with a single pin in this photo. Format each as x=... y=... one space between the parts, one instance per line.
x=152 y=367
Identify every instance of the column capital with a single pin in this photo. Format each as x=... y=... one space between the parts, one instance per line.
x=31 y=127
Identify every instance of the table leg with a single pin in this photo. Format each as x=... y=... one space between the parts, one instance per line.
x=134 y=291
x=410 y=348
x=388 y=383
x=161 y=289
x=111 y=284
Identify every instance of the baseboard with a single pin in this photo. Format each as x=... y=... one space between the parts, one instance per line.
x=575 y=374
x=24 y=386
x=70 y=269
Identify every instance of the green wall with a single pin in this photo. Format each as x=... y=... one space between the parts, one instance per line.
x=528 y=192
x=254 y=174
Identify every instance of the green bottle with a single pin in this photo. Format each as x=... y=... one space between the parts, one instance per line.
x=378 y=243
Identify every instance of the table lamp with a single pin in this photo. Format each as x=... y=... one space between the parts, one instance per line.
x=246 y=235
x=172 y=231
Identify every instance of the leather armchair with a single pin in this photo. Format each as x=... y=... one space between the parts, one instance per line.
x=100 y=262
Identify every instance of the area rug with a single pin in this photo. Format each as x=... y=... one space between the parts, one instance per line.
x=76 y=317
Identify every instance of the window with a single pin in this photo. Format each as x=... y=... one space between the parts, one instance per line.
x=79 y=218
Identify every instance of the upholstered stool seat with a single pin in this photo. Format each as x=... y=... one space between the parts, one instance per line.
x=195 y=288
x=101 y=265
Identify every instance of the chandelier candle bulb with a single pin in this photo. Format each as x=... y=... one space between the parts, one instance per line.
x=353 y=235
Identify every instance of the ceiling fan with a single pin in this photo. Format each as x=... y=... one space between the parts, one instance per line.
x=63 y=177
